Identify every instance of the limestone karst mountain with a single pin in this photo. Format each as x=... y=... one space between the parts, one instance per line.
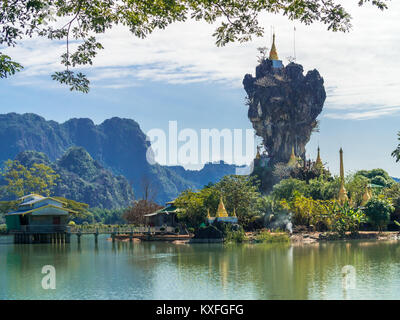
x=119 y=145
x=83 y=179
x=283 y=107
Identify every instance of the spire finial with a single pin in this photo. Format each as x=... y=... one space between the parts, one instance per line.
x=292 y=159
x=342 y=192
x=318 y=161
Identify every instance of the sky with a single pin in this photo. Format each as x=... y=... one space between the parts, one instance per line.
x=179 y=74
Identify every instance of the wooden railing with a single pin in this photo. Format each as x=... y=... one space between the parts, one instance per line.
x=120 y=230
x=44 y=228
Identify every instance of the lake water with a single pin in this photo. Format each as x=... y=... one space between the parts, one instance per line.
x=157 y=270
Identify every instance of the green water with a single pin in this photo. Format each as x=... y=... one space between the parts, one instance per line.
x=156 y=270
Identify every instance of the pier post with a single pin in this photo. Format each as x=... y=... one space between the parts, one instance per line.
x=79 y=236
x=96 y=234
x=130 y=236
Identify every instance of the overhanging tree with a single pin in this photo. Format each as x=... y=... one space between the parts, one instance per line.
x=82 y=20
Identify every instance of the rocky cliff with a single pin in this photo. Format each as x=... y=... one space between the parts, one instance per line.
x=283 y=107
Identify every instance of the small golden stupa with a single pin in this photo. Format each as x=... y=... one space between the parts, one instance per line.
x=366 y=196
x=273 y=54
x=318 y=162
x=293 y=161
x=221 y=211
x=342 y=192
x=258 y=155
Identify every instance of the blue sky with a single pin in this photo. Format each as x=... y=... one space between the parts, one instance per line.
x=179 y=74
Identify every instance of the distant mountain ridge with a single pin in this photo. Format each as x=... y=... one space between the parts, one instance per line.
x=118 y=145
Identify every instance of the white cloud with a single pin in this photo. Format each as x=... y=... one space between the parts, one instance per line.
x=360 y=68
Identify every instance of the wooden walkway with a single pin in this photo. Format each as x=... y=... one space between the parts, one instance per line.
x=129 y=232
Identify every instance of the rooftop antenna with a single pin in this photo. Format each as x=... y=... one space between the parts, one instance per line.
x=271 y=34
x=294 y=41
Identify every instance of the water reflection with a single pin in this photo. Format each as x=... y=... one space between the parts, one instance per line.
x=154 y=270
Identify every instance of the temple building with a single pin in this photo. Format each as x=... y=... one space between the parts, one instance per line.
x=342 y=192
x=273 y=55
x=222 y=215
x=39 y=219
x=165 y=217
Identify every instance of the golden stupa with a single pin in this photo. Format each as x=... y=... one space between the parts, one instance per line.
x=342 y=192
x=273 y=54
x=318 y=162
x=293 y=161
x=366 y=196
x=258 y=155
x=221 y=211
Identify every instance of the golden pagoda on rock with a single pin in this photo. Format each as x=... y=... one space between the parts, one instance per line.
x=342 y=191
x=273 y=54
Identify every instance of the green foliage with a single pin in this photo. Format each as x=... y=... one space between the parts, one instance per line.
x=239 y=194
x=79 y=210
x=324 y=215
x=108 y=216
x=238 y=21
x=356 y=185
x=378 y=210
x=345 y=218
x=77 y=82
x=3 y=228
x=288 y=189
x=377 y=176
x=194 y=205
x=321 y=189
x=8 y=206
x=236 y=236
x=39 y=178
x=267 y=236
x=309 y=212
x=8 y=67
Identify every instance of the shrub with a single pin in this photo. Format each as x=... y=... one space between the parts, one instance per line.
x=237 y=236
x=266 y=236
x=345 y=218
x=378 y=210
x=209 y=232
x=3 y=228
x=191 y=230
